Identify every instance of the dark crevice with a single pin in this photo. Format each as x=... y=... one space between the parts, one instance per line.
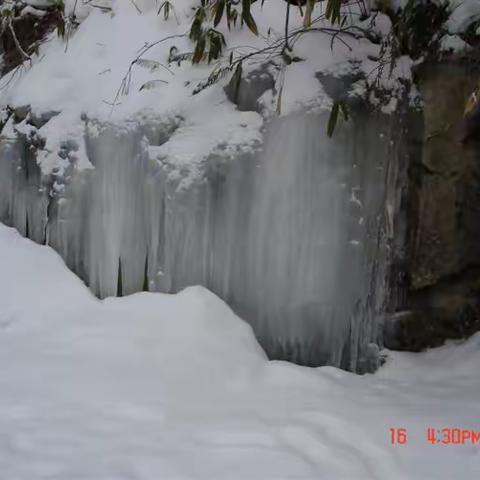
x=27 y=230
x=145 y=275
x=119 y=280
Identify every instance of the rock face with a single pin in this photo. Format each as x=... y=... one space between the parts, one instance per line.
x=443 y=218
x=245 y=91
x=445 y=240
x=30 y=26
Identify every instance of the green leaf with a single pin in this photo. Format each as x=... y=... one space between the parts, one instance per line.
x=236 y=80
x=279 y=101
x=250 y=22
x=332 y=11
x=216 y=42
x=307 y=21
x=328 y=11
x=336 y=17
x=61 y=27
x=247 y=17
x=196 y=29
x=165 y=6
x=344 y=109
x=145 y=63
x=151 y=84
x=332 y=121
x=229 y=14
x=199 y=50
x=338 y=106
x=219 y=8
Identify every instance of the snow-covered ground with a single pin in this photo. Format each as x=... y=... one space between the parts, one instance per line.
x=168 y=387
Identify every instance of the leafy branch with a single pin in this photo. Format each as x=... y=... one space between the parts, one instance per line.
x=277 y=49
x=124 y=87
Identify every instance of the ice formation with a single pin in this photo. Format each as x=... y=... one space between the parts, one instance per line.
x=291 y=236
x=285 y=224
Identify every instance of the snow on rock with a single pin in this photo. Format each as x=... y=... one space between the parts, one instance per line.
x=28 y=10
x=156 y=386
x=81 y=9
x=84 y=79
x=464 y=13
x=453 y=43
x=378 y=24
x=41 y=3
x=89 y=75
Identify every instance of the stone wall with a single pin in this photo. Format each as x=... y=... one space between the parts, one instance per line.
x=442 y=255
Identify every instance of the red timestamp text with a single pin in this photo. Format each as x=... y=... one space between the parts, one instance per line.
x=453 y=436
x=398 y=436
x=439 y=436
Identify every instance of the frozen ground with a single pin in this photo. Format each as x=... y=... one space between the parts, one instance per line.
x=166 y=387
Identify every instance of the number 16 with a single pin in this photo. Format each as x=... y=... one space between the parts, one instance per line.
x=398 y=435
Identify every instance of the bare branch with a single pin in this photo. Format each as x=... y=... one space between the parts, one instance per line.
x=125 y=84
x=17 y=43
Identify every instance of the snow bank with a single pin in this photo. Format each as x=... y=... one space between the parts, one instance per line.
x=87 y=76
x=175 y=387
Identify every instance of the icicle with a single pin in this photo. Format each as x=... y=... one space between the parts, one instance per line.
x=289 y=237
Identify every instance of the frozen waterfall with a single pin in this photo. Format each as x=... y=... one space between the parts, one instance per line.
x=292 y=237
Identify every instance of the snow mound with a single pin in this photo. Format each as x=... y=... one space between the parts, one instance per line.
x=175 y=387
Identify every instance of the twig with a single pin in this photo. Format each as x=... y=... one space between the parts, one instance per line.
x=123 y=88
x=17 y=43
x=287 y=21
x=136 y=6
x=13 y=73
x=111 y=104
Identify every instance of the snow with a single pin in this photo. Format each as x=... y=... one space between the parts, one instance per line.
x=28 y=10
x=157 y=386
x=40 y=3
x=83 y=76
x=453 y=43
x=175 y=386
x=464 y=13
